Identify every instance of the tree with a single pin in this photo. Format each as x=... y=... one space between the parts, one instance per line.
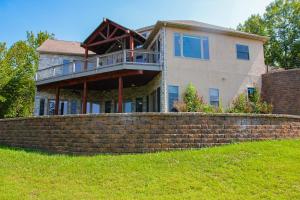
x=254 y=24
x=19 y=64
x=281 y=23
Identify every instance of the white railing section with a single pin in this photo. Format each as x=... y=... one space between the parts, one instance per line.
x=98 y=62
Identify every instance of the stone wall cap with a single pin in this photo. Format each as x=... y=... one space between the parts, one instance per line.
x=153 y=114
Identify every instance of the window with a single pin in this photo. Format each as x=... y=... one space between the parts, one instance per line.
x=147 y=103
x=158 y=99
x=127 y=106
x=139 y=104
x=66 y=64
x=107 y=106
x=42 y=107
x=73 y=107
x=214 y=97
x=173 y=93
x=191 y=46
x=63 y=107
x=116 y=106
x=92 y=107
x=177 y=44
x=242 y=52
x=96 y=108
x=51 y=107
x=205 y=48
x=251 y=92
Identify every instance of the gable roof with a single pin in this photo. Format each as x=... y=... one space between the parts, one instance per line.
x=195 y=25
x=62 y=47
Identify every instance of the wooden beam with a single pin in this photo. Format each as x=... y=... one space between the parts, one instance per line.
x=107 y=31
x=56 y=101
x=102 y=35
x=95 y=34
x=131 y=47
x=86 y=55
x=98 y=77
x=113 y=33
x=120 y=95
x=84 y=97
x=108 y=40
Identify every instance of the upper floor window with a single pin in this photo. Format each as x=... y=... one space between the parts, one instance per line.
x=191 y=46
x=177 y=44
x=214 y=96
x=242 y=52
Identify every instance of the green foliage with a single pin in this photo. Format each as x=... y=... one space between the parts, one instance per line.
x=192 y=99
x=253 y=104
x=280 y=22
x=18 y=66
x=252 y=170
x=192 y=102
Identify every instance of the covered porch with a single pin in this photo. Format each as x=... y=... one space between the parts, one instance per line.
x=119 y=64
x=134 y=91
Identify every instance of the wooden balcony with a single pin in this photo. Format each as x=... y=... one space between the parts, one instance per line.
x=120 y=60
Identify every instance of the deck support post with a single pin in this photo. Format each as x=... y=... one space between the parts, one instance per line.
x=56 y=101
x=131 y=47
x=120 y=95
x=84 y=97
x=86 y=55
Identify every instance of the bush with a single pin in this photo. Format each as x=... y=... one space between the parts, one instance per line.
x=192 y=99
x=192 y=102
x=253 y=104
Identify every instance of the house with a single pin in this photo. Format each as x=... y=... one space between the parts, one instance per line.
x=116 y=69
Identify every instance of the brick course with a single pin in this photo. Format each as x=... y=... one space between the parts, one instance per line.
x=282 y=89
x=142 y=132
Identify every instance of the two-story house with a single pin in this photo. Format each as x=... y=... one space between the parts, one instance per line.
x=117 y=69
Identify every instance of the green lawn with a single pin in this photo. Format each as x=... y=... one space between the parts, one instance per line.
x=257 y=170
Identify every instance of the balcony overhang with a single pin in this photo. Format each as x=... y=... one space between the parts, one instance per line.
x=104 y=81
x=99 y=71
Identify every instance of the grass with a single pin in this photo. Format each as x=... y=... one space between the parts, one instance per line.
x=255 y=170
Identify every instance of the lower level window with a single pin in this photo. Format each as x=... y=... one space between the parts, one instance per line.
x=63 y=107
x=51 y=107
x=251 y=93
x=107 y=106
x=139 y=104
x=42 y=107
x=127 y=106
x=73 y=107
x=214 y=97
x=93 y=107
x=173 y=93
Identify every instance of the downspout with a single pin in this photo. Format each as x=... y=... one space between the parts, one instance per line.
x=164 y=88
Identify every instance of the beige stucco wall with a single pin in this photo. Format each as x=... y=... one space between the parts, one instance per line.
x=223 y=70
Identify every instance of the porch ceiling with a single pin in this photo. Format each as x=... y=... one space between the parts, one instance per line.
x=97 y=83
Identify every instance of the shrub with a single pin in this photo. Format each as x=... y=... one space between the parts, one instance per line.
x=253 y=104
x=192 y=102
x=192 y=99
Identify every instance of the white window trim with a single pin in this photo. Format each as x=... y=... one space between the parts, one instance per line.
x=201 y=37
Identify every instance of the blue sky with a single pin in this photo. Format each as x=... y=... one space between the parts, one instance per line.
x=74 y=19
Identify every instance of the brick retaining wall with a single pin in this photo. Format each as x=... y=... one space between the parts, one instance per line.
x=142 y=132
x=282 y=89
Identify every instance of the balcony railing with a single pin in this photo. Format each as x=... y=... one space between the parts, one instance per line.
x=134 y=57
